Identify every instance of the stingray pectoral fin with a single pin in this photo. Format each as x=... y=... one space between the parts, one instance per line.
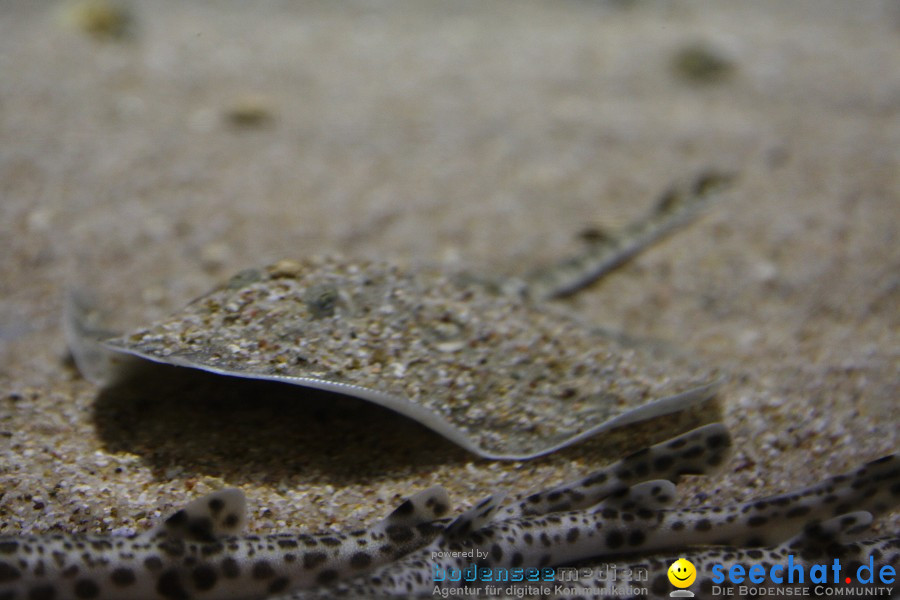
x=221 y=513
x=428 y=505
x=475 y=518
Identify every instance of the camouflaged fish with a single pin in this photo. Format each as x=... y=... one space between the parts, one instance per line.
x=198 y=551
x=634 y=524
x=488 y=364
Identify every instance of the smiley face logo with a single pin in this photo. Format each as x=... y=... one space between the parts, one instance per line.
x=682 y=573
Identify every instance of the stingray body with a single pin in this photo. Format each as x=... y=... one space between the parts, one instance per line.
x=490 y=364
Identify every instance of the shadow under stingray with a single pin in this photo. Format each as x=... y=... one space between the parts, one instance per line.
x=231 y=427
x=238 y=429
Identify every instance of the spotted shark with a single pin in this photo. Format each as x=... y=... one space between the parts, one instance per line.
x=624 y=509
x=635 y=524
x=810 y=555
x=199 y=552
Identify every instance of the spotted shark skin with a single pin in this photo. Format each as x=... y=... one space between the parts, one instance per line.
x=697 y=452
x=567 y=537
x=198 y=551
x=618 y=511
x=820 y=543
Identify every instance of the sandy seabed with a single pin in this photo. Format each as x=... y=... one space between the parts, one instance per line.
x=216 y=136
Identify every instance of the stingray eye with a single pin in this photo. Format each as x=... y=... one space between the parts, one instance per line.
x=244 y=278
x=321 y=300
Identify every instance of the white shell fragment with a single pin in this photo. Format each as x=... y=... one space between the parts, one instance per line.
x=494 y=373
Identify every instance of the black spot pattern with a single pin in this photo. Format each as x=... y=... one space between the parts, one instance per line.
x=230 y=568
x=496 y=553
x=405 y=509
x=279 y=585
x=615 y=539
x=204 y=578
x=262 y=570
x=326 y=577
x=663 y=462
x=216 y=505
x=714 y=442
x=42 y=592
x=8 y=572
x=797 y=511
x=399 y=534
x=311 y=560
x=360 y=560
x=231 y=520
x=178 y=519
x=122 y=577
x=169 y=586
x=9 y=547
x=201 y=529
x=596 y=479
x=86 y=589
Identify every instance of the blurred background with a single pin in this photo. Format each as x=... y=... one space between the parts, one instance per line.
x=149 y=150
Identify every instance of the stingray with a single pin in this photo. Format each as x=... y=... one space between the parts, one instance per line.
x=497 y=366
